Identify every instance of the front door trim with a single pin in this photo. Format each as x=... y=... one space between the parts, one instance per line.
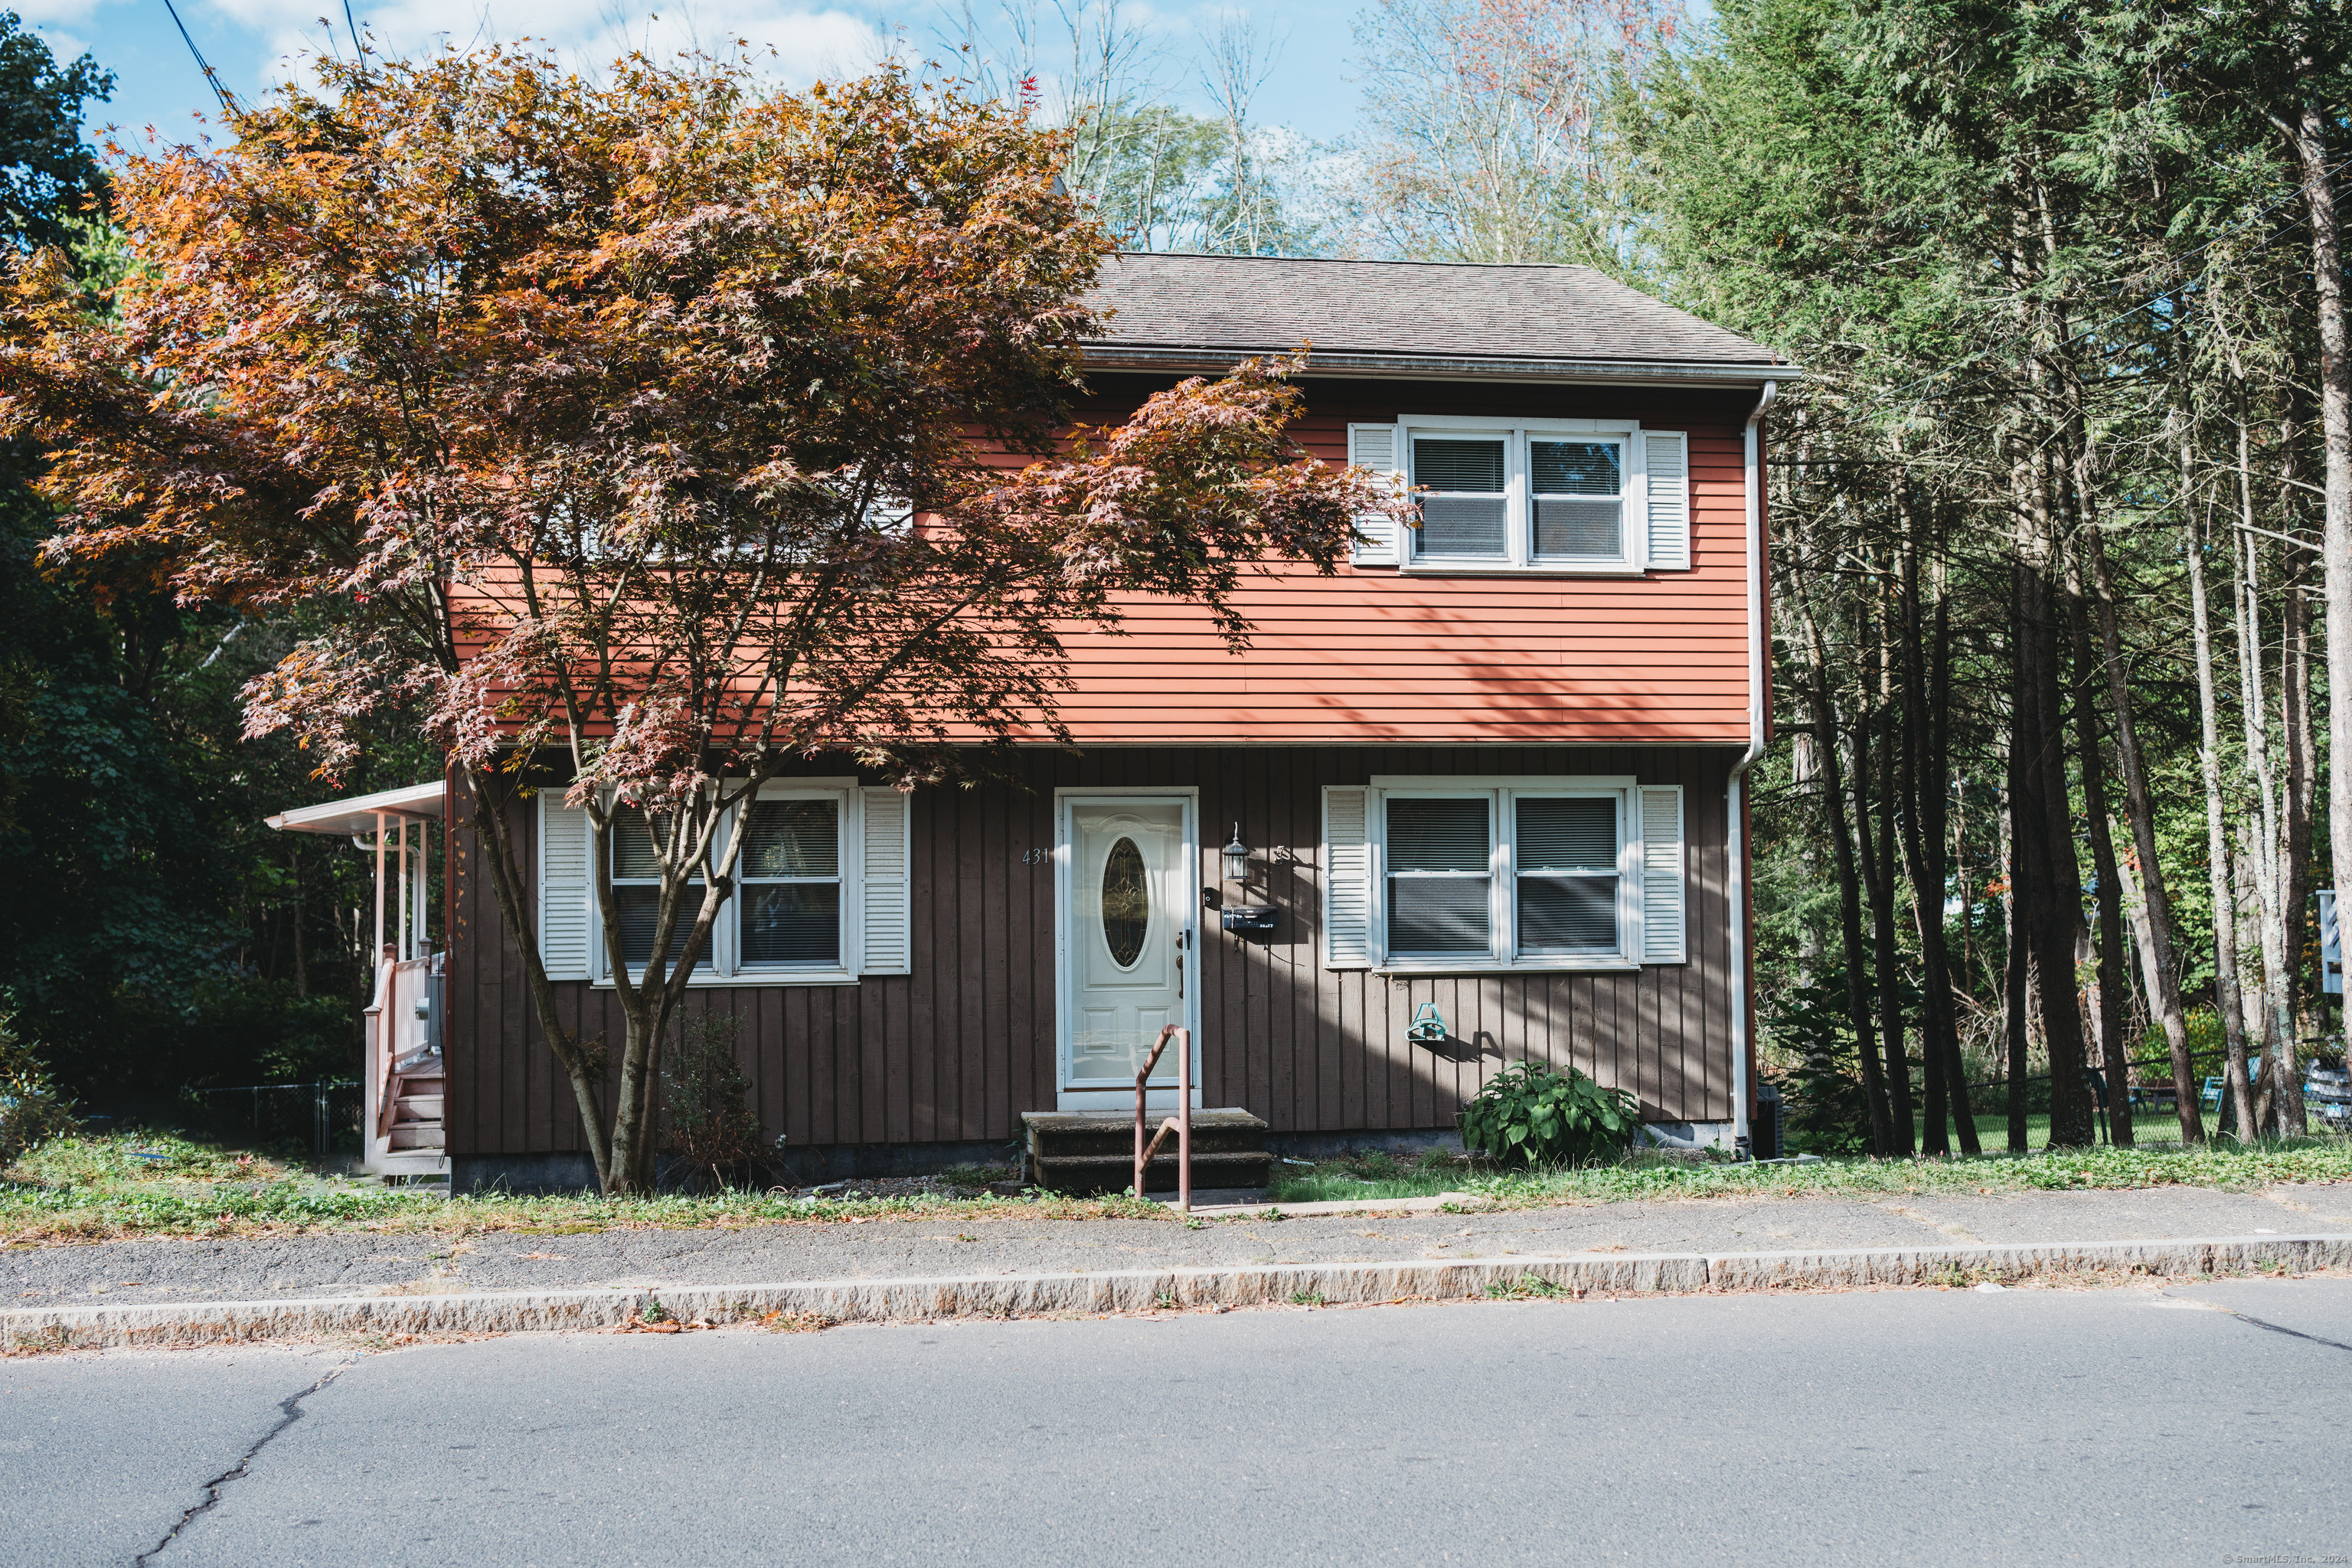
x=1189 y=903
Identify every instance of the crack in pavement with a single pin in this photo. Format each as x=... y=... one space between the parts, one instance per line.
x=2260 y=1323
x=290 y=1408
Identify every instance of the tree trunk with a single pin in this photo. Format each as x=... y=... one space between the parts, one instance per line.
x=301 y=966
x=1934 y=1135
x=1943 y=1024
x=2226 y=998
x=2310 y=140
x=2114 y=982
x=2139 y=810
x=2278 y=1070
x=2302 y=792
x=2057 y=908
x=2025 y=837
x=1857 y=985
x=1878 y=878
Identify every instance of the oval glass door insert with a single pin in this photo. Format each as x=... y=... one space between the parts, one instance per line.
x=1126 y=903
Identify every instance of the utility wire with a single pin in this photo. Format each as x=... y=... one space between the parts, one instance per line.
x=212 y=78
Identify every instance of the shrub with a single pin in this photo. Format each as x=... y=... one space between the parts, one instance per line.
x=1529 y=1113
x=1827 y=1113
x=32 y=1109
x=712 y=1126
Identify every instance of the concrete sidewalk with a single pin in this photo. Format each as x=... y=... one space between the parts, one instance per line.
x=158 y=1272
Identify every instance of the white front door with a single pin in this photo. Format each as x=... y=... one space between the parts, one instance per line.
x=1129 y=958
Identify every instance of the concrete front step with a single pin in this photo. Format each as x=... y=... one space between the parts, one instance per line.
x=1086 y=1151
x=1089 y=1173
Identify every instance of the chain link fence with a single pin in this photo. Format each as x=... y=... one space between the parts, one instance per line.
x=321 y=1118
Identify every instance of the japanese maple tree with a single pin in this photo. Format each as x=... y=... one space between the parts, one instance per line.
x=663 y=425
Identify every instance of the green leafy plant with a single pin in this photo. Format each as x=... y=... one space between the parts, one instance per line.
x=32 y=1109
x=1527 y=1287
x=1530 y=1114
x=1828 y=1113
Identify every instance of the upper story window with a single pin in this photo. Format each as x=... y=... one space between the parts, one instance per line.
x=1558 y=497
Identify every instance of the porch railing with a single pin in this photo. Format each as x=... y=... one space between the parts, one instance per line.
x=1180 y=1124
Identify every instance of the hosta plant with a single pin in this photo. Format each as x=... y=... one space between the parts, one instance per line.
x=1532 y=1115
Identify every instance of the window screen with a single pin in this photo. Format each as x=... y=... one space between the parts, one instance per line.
x=1441 y=882
x=637 y=891
x=1466 y=512
x=1566 y=874
x=1578 y=497
x=791 y=884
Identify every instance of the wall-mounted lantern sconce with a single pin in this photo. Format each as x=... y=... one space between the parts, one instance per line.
x=1238 y=858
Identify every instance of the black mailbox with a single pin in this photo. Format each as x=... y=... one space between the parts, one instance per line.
x=1251 y=919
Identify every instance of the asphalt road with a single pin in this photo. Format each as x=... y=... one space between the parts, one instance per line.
x=2029 y=1426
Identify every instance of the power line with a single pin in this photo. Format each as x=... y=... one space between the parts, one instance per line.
x=212 y=78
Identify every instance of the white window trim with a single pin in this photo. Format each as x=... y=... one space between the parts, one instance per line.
x=725 y=967
x=1519 y=502
x=1503 y=957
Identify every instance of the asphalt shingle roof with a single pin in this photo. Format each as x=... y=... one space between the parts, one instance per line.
x=1256 y=304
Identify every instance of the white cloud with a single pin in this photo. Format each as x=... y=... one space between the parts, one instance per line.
x=43 y=16
x=806 y=43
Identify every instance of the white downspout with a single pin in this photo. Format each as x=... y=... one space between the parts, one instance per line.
x=1759 y=650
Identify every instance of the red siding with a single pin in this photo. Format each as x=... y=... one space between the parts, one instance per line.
x=1372 y=656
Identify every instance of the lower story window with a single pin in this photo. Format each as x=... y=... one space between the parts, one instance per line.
x=638 y=841
x=1504 y=875
x=789 y=893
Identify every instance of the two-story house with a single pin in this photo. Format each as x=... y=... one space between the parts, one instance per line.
x=1486 y=781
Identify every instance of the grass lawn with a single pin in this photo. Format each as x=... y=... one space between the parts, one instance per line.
x=2148 y=1127
x=1653 y=1176
x=133 y=1184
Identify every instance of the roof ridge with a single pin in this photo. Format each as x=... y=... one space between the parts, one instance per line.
x=1362 y=261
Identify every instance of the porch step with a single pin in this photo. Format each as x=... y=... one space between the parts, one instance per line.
x=416 y=1108
x=1086 y=1152
x=416 y=1135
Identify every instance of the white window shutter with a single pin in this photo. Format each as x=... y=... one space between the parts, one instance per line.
x=565 y=888
x=1661 y=874
x=1374 y=447
x=1347 y=879
x=1666 y=455
x=888 y=945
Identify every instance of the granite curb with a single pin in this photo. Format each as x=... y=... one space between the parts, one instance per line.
x=1145 y=1290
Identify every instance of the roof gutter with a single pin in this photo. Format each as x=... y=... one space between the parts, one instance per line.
x=1441 y=367
x=1734 y=789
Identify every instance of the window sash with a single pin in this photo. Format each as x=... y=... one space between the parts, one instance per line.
x=1532 y=519
x=1570 y=508
x=637 y=901
x=1462 y=517
x=751 y=909
x=1571 y=901
x=725 y=956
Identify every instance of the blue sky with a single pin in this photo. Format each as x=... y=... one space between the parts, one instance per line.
x=254 y=43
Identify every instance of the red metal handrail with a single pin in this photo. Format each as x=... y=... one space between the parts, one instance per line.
x=1181 y=1124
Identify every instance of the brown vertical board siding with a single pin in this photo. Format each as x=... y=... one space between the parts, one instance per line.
x=959 y=1047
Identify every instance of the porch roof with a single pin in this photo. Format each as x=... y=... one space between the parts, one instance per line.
x=348 y=818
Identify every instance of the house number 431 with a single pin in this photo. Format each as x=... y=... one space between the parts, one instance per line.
x=1035 y=857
